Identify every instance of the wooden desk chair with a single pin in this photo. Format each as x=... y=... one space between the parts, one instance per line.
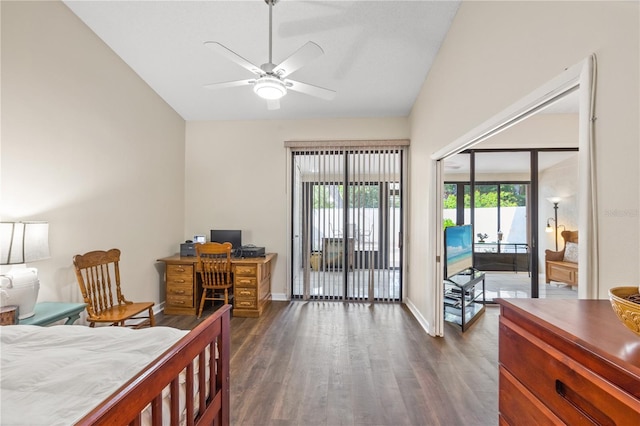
x=98 y=275
x=214 y=266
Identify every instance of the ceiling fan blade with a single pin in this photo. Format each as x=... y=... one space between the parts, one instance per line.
x=300 y=57
x=273 y=104
x=233 y=56
x=310 y=89
x=229 y=84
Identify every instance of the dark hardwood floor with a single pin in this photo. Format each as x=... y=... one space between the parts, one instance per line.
x=330 y=363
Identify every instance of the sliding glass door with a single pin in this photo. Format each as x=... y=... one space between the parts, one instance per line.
x=347 y=223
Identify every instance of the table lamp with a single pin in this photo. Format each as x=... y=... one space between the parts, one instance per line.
x=22 y=243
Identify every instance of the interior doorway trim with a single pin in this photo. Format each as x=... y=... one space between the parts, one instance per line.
x=580 y=76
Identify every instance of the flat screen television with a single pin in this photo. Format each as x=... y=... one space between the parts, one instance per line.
x=458 y=249
x=223 y=236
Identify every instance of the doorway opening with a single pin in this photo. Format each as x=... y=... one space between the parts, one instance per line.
x=504 y=204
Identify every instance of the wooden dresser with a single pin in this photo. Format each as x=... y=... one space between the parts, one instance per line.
x=566 y=362
x=251 y=285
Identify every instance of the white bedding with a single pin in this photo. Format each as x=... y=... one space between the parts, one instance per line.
x=55 y=375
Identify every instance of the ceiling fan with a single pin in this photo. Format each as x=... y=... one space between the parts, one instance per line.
x=271 y=82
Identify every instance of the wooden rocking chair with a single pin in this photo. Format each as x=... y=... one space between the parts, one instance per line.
x=98 y=275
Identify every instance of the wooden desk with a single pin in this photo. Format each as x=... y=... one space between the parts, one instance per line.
x=566 y=362
x=251 y=285
x=50 y=312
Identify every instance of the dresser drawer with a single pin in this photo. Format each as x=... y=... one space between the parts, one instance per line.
x=574 y=394
x=246 y=270
x=519 y=406
x=180 y=301
x=246 y=281
x=245 y=293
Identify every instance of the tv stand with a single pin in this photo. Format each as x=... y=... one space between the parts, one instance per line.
x=464 y=297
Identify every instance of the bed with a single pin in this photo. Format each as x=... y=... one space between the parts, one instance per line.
x=116 y=376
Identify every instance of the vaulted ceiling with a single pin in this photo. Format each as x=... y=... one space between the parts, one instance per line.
x=376 y=53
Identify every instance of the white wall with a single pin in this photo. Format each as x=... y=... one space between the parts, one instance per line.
x=538 y=131
x=89 y=147
x=236 y=175
x=494 y=54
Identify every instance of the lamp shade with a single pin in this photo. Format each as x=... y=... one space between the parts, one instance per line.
x=554 y=200
x=22 y=242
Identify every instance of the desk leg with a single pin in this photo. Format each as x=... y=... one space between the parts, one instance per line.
x=72 y=319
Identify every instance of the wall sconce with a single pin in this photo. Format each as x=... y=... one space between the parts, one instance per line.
x=22 y=242
x=549 y=228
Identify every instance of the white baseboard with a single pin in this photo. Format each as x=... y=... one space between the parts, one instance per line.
x=280 y=297
x=418 y=316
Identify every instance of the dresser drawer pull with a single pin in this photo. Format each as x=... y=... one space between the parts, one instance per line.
x=178 y=281
x=245 y=303
x=244 y=293
x=582 y=405
x=177 y=291
x=178 y=302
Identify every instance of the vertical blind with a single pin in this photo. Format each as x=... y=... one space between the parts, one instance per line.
x=347 y=205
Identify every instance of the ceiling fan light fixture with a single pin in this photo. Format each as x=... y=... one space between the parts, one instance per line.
x=270 y=88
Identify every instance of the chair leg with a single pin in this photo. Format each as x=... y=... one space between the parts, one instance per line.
x=204 y=296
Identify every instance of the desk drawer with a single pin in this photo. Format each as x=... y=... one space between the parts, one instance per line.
x=246 y=270
x=180 y=270
x=245 y=303
x=180 y=290
x=245 y=293
x=574 y=393
x=180 y=301
x=179 y=281
x=246 y=281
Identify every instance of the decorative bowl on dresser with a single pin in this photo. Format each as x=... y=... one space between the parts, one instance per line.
x=625 y=302
x=566 y=362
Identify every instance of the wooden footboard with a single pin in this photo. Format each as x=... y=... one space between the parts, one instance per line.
x=126 y=405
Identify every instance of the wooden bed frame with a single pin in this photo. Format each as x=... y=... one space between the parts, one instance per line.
x=126 y=404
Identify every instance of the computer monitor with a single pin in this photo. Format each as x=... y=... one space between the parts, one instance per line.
x=232 y=236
